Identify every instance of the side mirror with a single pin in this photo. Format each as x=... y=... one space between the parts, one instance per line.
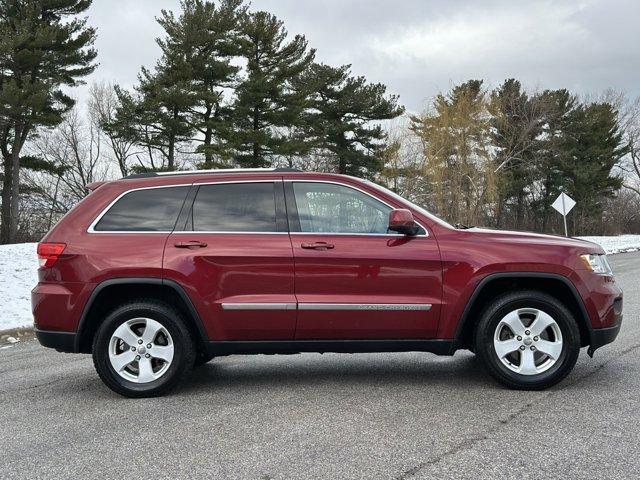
x=402 y=221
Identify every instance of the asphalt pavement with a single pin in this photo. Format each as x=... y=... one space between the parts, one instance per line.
x=334 y=416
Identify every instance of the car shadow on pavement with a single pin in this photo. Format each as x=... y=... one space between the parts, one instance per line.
x=394 y=370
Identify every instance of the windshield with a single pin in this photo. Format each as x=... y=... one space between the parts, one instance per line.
x=411 y=204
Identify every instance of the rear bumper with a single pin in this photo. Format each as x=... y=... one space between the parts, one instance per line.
x=61 y=341
x=58 y=306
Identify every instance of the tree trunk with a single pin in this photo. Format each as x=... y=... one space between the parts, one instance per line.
x=15 y=194
x=11 y=186
x=499 y=210
x=5 y=234
x=121 y=157
x=519 y=210
x=545 y=204
x=208 y=155
x=343 y=146
x=208 y=136
x=256 y=145
x=171 y=152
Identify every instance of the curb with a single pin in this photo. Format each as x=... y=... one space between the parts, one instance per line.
x=16 y=335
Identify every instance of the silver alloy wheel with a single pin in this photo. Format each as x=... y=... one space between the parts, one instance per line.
x=528 y=341
x=141 y=350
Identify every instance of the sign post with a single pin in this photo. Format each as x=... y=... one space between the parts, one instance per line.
x=563 y=204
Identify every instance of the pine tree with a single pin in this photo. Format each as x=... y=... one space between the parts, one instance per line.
x=268 y=107
x=552 y=153
x=201 y=44
x=517 y=123
x=166 y=98
x=343 y=108
x=594 y=145
x=155 y=115
x=43 y=46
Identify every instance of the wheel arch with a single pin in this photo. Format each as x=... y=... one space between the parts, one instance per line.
x=111 y=293
x=555 y=285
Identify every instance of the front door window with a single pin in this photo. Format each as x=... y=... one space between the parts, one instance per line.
x=330 y=208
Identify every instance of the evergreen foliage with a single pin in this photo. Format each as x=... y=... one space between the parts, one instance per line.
x=232 y=88
x=267 y=107
x=200 y=47
x=503 y=158
x=249 y=95
x=44 y=46
x=341 y=121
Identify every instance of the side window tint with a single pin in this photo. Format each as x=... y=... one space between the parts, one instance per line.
x=330 y=208
x=235 y=207
x=152 y=210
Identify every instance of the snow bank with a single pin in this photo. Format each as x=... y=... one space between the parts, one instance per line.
x=618 y=244
x=19 y=264
x=18 y=275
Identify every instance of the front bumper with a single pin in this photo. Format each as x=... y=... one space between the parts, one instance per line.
x=61 y=341
x=603 y=336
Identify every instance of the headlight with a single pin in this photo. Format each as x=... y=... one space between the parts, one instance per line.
x=597 y=263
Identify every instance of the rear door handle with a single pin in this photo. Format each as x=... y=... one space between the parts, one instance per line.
x=317 y=246
x=190 y=244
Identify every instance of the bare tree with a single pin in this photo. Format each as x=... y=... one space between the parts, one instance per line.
x=621 y=213
x=102 y=105
x=74 y=152
x=629 y=115
x=405 y=164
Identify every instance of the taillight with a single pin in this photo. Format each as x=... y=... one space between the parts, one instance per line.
x=48 y=253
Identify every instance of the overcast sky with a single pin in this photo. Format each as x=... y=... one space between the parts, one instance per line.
x=420 y=47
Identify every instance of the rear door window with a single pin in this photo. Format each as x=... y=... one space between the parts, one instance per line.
x=235 y=207
x=148 y=210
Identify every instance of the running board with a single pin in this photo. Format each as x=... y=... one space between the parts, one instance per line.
x=222 y=348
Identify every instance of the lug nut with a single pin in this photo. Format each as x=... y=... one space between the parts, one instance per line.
x=137 y=357
x=533 y=349
x=519 y=338
x=527 y=332
x=140 y=341
x=147 y=356
x=522 y=347
x=133 y=349
x=148 y=345
x=535 y=339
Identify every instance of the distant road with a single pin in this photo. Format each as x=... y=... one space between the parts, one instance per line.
x=410 y=415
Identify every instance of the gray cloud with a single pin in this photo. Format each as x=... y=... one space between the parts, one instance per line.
x=418 y=47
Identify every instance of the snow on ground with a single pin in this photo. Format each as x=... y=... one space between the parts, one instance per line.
x=19 y=264
x=618 y=244
x=18 y=275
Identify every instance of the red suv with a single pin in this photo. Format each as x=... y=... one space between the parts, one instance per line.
x=155 y=273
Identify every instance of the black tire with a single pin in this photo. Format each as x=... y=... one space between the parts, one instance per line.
x=501 y=306
x=183 y=356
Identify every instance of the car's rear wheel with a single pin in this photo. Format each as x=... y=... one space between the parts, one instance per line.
x=143 y=349
x=527 y=340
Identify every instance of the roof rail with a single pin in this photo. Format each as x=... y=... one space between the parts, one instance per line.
x=220 y=170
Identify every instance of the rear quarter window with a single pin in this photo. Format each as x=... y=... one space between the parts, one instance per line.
x=149 y=210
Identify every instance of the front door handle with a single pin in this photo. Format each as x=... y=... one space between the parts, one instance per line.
x=190 y=244
x=317 y=246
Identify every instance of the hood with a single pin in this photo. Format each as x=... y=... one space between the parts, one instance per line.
x=530 y=238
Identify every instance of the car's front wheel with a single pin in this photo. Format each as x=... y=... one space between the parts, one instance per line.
x=527 y=340
x=143 y=349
